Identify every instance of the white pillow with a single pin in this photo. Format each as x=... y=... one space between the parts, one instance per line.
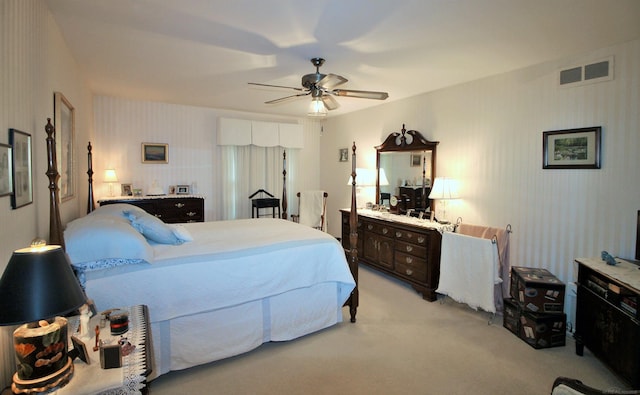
x=92 y=238
x=181 y=232
x=153 y=228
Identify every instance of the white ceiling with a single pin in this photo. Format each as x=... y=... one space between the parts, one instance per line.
x=203 y=52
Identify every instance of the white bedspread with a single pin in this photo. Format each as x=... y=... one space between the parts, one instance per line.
x=228 y=263
x=469 y=270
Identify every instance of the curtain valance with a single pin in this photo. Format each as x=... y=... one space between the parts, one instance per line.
x=233 y=131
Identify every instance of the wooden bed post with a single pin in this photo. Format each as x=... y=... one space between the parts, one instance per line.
x=55 y=225
x=90 y=203
x=353 y=238
x=284 y=184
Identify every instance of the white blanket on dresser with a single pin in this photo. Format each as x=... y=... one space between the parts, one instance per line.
x=469 y=270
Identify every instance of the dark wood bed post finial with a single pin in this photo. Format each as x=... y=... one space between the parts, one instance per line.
x=353 y=238
x=284 y=184
x=90 y=203
x=55 y=224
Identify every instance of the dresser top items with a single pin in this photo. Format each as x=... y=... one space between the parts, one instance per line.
x=152 y=197
x=406 y=220
x=625 y=271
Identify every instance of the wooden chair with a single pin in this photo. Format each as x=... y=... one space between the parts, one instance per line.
x=312 y=207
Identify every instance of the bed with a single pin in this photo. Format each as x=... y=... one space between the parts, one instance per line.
x=214 y=289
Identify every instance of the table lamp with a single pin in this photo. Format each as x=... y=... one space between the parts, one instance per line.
x=37 y=286
x=110 y=178
x=444 y=189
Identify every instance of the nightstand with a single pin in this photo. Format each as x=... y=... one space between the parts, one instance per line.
x=131 y=377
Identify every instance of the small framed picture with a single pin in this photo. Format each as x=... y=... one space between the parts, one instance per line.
x=137 y=192
x=127 y=190
x=172 y=189
x=22 y=179
x=416 y=160
x=344 y=154
x=6 y=171
x=81 y=349
x=183 y=189
x=571 y=148
x=155 y=153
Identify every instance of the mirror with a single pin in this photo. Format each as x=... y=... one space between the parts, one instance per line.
x=406 y=167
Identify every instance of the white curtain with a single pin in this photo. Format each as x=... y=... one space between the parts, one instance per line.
x=249 y=168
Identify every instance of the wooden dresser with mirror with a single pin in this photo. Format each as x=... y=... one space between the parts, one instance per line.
x=390 y=241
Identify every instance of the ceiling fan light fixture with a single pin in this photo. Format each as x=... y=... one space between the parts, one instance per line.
x=317 y=107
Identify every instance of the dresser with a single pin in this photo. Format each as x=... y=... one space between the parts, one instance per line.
x=169 y=208
x=607 y=319
x=403 y=247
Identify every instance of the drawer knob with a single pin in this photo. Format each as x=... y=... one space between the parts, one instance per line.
x=157 y=215
x=398 y=234
x=385 y=231
x=409 y=259
x=191 y=213
x=421 y=239
x=369 y=226
x=409 y=272
x=409 y=248
x=179 y=205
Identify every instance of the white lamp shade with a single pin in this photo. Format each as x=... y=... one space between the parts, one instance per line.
x=110 y=175
x=444 y=188
x=364 y=177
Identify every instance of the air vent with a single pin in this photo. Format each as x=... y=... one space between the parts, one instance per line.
x=585 y=74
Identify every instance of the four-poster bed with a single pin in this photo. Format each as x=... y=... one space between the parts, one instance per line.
x=216 y=289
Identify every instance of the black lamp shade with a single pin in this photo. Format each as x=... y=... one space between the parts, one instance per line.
x=38 y=283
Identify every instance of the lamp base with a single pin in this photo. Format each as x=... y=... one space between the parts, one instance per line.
x=43 y=384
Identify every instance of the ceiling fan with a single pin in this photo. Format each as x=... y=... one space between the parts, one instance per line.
x=321 y=87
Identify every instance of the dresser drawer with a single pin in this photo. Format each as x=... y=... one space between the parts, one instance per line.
x=411 y=237
x=417 y=273
x=409 y=248
x=381 y=229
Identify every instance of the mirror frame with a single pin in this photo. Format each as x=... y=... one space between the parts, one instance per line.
x=406 y=141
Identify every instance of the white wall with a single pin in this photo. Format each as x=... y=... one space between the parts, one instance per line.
x=490 y=134
x=34 y=62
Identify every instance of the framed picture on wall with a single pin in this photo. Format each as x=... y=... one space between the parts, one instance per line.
x=155 y=153
x=64 y=120
x=6 y=172
x=344 y=154
x=571 y=148
x=416 y=160
x=22 y=178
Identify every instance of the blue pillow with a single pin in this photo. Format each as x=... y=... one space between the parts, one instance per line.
x=153 y=228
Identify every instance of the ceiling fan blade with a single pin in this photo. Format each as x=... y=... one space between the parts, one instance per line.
x=276 y=86
x=329 y=102
x=330 y=81
x=274 y=101
x=361 y=94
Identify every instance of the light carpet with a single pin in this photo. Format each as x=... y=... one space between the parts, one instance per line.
x=400 y=344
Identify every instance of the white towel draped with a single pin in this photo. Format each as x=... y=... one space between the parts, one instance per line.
x=311 y=208
x=469 y=270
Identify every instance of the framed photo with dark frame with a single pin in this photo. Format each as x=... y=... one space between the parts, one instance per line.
x=6 y=171
x=22 y=173
x=155 y=153
x=64 y=120
x=344 y=154
x=571 y=148
x=81 y=349
x=416 y=160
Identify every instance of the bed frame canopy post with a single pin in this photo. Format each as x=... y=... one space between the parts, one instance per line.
x=90 y=203
x=353 y=238
x=284 y=184
x=55 y=224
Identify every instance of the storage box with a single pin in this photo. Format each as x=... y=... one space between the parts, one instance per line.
x=543 y=330
x=537 y=290
x=511 y=316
